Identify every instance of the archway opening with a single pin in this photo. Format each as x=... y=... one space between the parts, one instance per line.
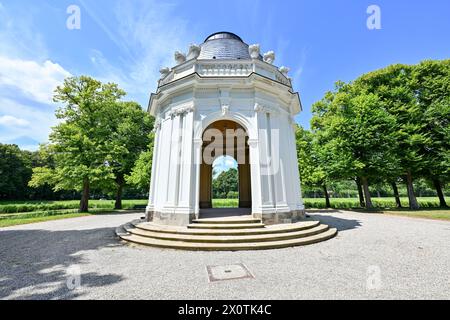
x=225 y=140
x=225 y=183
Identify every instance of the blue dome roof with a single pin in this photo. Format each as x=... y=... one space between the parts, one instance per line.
x=224 y=45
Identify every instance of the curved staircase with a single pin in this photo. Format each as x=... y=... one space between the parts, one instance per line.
x=226 y=234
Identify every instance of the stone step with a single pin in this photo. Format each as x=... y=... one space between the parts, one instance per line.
x=225 y=225
x=330 y=233
x=233 y=220
x=281 y=228
x=228 y=238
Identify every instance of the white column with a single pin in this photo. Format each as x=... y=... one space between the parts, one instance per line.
x=297 y=200
x=155 y=163
x=255 y=176
x=161 y=174
x=279 y=155
x=198 y=143
x=186 y=173
x=173 y=163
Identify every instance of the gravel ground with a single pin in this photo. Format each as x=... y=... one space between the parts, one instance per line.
x=373 y=257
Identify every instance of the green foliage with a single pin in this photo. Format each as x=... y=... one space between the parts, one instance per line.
x=15 y=171
x=80 y=144
x=311 y=162
x=97 y=141
x=226 y=181
x=388 y=124
x=353 y=203
x=130 y=137
x=141 y=172
x=355 y=133
x=36 y=206
x=225 y=203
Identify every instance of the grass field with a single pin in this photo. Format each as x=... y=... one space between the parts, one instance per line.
x=30 y=206
x=429 y=206
x=439 y=214
x=23 y=212
x=346 y=203
x=340 y=203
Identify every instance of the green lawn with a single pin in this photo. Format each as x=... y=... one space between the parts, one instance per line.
x=340 y=203
x=29 y=206
x=225 y=203
x=24 y=212
x=16 y=221
x=439 y=214
x=349 y=203
x=429 y=206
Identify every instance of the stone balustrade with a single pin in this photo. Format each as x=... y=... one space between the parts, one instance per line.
x=224 y=68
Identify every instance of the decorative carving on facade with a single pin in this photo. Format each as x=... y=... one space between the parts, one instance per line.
x=225 y=109
x=265 y=109
x=228 y=69
x=180 y=111
x=157 y=124
x=179 y=57
x=269 y=57
x=284 y=70
x=253 y=50
x=194 y=52
x=164 y=72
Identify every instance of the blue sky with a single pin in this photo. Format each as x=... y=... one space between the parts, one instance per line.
x=128 y=41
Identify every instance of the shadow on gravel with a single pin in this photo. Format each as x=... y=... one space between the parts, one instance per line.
x=334 y=222
x=37 y=264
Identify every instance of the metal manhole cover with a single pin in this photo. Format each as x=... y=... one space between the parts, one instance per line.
x=228 y=272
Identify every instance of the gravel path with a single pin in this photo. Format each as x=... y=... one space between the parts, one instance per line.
x=373 y=257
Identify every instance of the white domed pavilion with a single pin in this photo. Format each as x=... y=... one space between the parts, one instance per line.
x=224 y=97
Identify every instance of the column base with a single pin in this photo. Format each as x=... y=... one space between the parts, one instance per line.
x=170 y=218
x=280 y=217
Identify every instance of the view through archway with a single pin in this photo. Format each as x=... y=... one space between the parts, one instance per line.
x=225 y=159
x=225 y=183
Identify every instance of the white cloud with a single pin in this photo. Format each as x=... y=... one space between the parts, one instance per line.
x=38 y=123
x=11 y=121
x=18 y=35
x=146 y=34
x=36 y=81
x=296 y=77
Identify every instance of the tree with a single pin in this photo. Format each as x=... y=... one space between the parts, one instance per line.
x=140 y=174
x=131 y=127
x=355 y=132
x=310 y=162
x=15 y=172
x=430 y=81
x=393 y=87
x=81 y=143
x=224 y=183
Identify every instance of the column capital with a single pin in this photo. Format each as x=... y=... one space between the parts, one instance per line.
x=253 y=142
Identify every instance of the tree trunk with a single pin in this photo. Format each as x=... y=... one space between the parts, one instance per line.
x=327 y=198
x=413 y=204
x=365 y=185
x=118 y=204
x=360 y=192
x=440 y=194
x=396 y=195
x=84 y=202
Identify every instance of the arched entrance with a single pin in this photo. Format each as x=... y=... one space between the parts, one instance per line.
x=225 y=137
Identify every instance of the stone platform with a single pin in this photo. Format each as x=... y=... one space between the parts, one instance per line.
x=232 y=233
